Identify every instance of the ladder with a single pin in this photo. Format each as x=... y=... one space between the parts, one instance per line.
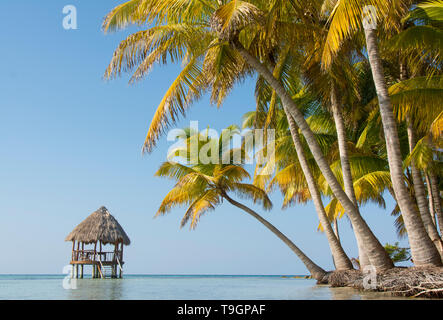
x=119 y=266
x=106 y=271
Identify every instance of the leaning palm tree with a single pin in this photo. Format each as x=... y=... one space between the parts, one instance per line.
x=202 y=187
x=303 y=175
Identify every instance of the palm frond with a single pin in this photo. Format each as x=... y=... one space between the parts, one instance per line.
x=207 y=201
x=344 y=20
x=250 y=191
x=174 y=171
x=174 y=102
x=235 y=15
x=122 y=15
x=429 y=10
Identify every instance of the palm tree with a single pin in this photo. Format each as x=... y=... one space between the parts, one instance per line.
x=204 y=186
x=284 y=70
x=209 y=38
x=224 y=21
x=422 y=96
x=340 y=78
x=346 y=17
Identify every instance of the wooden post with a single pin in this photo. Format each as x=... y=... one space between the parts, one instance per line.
x=94 y=271
x=78 y=249
x=121 y=261
x=83 y=253
x=73 y=248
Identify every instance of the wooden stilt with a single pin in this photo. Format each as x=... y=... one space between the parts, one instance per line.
x=121 y=260
x=73 y=249
x=94 y=266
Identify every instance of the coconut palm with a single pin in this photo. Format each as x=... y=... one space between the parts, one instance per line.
x=219 y=44
x=202 y=187
x=296 y=180
x=269 y=101
x=421 y=98
x=333 y=89
x=369 y=170
x=377 y=254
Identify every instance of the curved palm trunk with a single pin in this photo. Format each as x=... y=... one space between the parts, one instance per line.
x=436 y=200
x=346 y=168
x=420 y=195
x=376 y=253
x=341 y=260
x=423 y=250
x=317 y=272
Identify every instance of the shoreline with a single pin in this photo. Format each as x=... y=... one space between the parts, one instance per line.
x=420 y=282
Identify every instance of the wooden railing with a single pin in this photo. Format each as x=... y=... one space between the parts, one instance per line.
x=91 y=255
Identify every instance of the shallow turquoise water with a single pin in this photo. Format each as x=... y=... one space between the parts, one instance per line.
x=174 y=288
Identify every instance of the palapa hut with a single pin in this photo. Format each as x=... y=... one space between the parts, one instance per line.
x=96 y=231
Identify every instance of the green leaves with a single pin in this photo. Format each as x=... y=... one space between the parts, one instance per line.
x=397 y=253
x=430 y=10
x=426 y=37
x=422 y=155
x=202 y=186
x=420 y=99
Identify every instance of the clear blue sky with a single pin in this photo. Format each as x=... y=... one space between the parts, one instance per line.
x=71 y=142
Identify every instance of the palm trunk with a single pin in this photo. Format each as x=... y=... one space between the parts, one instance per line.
x=346 y=168
x=337 y=233
x=423 y=250
x=317 y=272
x=341 y=260
x=430 y=200
x=420 y=195
x=376 y=253
x=436 y=200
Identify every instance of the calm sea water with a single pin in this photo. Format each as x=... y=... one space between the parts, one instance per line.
x=174 y=288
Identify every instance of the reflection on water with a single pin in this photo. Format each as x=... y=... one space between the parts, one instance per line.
x=97 y=289
x=153 y=287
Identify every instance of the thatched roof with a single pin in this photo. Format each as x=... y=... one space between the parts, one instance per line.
x=99 y=226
